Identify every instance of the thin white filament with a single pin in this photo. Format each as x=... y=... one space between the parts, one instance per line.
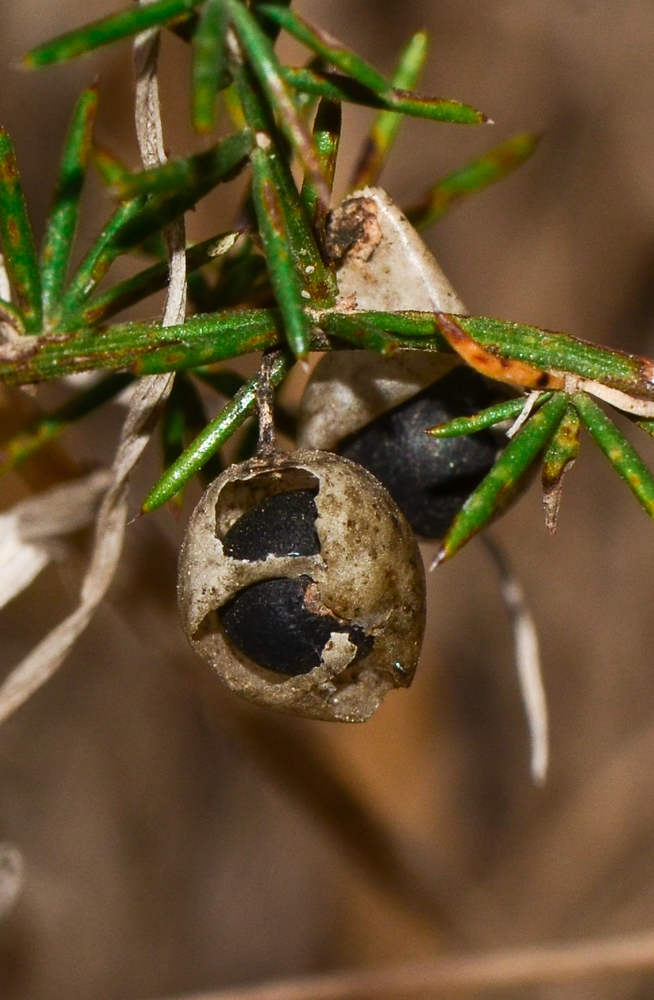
x=527 y=661
x=525 y=413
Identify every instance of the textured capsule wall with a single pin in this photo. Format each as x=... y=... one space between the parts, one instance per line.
x=368 y=574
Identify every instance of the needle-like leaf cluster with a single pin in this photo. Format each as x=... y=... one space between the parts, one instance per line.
x=267 y=282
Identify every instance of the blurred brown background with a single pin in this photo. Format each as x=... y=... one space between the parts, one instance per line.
x=176 y=841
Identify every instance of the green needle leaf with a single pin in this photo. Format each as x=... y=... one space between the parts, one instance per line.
x=270 y=212
x=224 y=163
x=268 y=71
x=272 y=30
x=646 y=425
x=623 y=457
x=96 y=263
x=500 y=486
x=186 y=176
x=232 y=101
x=461 y=426
x=140 y=286
x=109 y=29
x=328 y=48
x=327 y=135
x=288 y=232
x=62 y=221
x=560 y=456
x=12 y=316
x=342 y=88
x=112 y=171
x=212 y=438
x=474 y=177
x=384 y=131
x=210 y=69
x=559 y=352
x=52 y=425
x=183 y=417
x=17 y=240
x=136 y=220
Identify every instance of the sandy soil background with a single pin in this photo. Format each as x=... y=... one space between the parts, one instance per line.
x=177 y=841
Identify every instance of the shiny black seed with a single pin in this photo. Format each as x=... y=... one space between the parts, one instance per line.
x=270 y=623
x=281 y=525
x=429 y=478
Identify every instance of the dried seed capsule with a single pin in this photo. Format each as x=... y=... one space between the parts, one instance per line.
x=301 y=583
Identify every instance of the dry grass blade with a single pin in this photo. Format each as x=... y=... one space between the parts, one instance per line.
x=144 y=408
x=39 y=665
x=30 y=532
x=150 y=138
x=46 y=657
x=527 y=660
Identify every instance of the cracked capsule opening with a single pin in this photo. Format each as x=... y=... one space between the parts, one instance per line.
x=281 y=625
x=241 y=498
x=281 y=525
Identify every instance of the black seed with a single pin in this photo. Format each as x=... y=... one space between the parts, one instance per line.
x=429 y=478
x=281 y=525
x=270 y=622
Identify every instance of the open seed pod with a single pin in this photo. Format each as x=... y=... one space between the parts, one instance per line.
x=375 y=409
x=381 y=263
x=300 y=582
x=429 y=478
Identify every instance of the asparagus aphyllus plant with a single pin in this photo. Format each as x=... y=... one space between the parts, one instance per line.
x=269 y=283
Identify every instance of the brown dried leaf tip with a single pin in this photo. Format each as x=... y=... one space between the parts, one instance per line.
x=301 y=583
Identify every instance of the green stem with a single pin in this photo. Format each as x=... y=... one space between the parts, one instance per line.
x=212 y=438
x=142 y=348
